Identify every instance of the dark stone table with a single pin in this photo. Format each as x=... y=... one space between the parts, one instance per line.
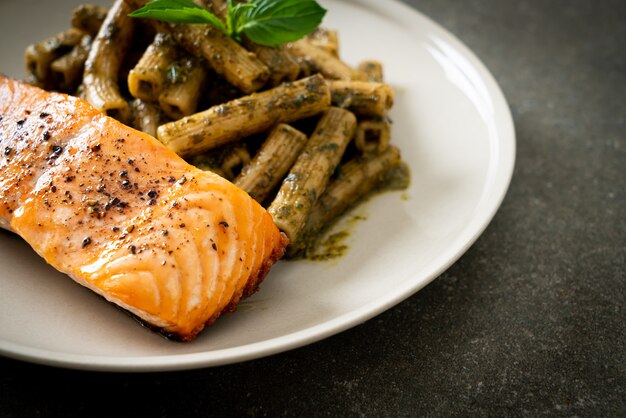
x=530 y=321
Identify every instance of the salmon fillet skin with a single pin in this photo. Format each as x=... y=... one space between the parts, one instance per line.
x=124 y=216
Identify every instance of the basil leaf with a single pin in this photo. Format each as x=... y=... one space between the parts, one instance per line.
x=178 y=11
x=266 y=22
x=233 y=17
x=275 y=22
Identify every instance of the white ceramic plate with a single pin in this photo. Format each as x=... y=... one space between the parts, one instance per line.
x=455 y=130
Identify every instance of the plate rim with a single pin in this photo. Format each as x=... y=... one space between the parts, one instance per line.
x=473 y=229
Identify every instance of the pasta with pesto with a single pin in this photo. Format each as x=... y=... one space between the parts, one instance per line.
x=299 y=129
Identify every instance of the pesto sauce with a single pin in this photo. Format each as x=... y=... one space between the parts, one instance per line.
x=331 y=248
x=178 y=72
x=334 y=245
x=321 y=248
x=398 y=178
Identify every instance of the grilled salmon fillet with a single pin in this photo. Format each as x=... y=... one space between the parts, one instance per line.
x=124 y=216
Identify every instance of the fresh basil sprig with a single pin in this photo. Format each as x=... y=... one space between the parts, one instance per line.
x=266 y=22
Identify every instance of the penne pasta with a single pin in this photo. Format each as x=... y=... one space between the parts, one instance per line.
x=310 y=173
x=66 y=72
x=225 y=56
x=324 y=62
x=146 y=117
x=146 y=79
x=362 y=97
x=325 y=39
x=317 y=127
x=100 y=80
x=89 y=18
x=373 y=136
x=282 y=65
x=373 y=70
x=186 y=80
x=39 y=56
x=272 y=162
x=245 y=116
x=234 y=161
x=356 y=178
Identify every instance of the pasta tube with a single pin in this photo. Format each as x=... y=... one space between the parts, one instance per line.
x=282 y=65
x=224 y=55
x=67 y=72
x=309 y=175
x=146 y=79
x=39 y=56
x=356 y=178
x=372 y=136
x=146 y=116
x=362 y=97
x=229 y=59
x=323 y=61
x=373 y=70
x=186 y=80
x=89 y=18
x=272 y=162
x=100 y=80
x=234 y=161
x=325 y=39
x=245 y=116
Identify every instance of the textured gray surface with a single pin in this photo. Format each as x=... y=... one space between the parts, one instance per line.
x=530 y=321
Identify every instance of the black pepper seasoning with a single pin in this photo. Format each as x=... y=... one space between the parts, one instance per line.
x=86 y=241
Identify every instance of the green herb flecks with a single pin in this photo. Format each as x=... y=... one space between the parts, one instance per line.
x=266 y=22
